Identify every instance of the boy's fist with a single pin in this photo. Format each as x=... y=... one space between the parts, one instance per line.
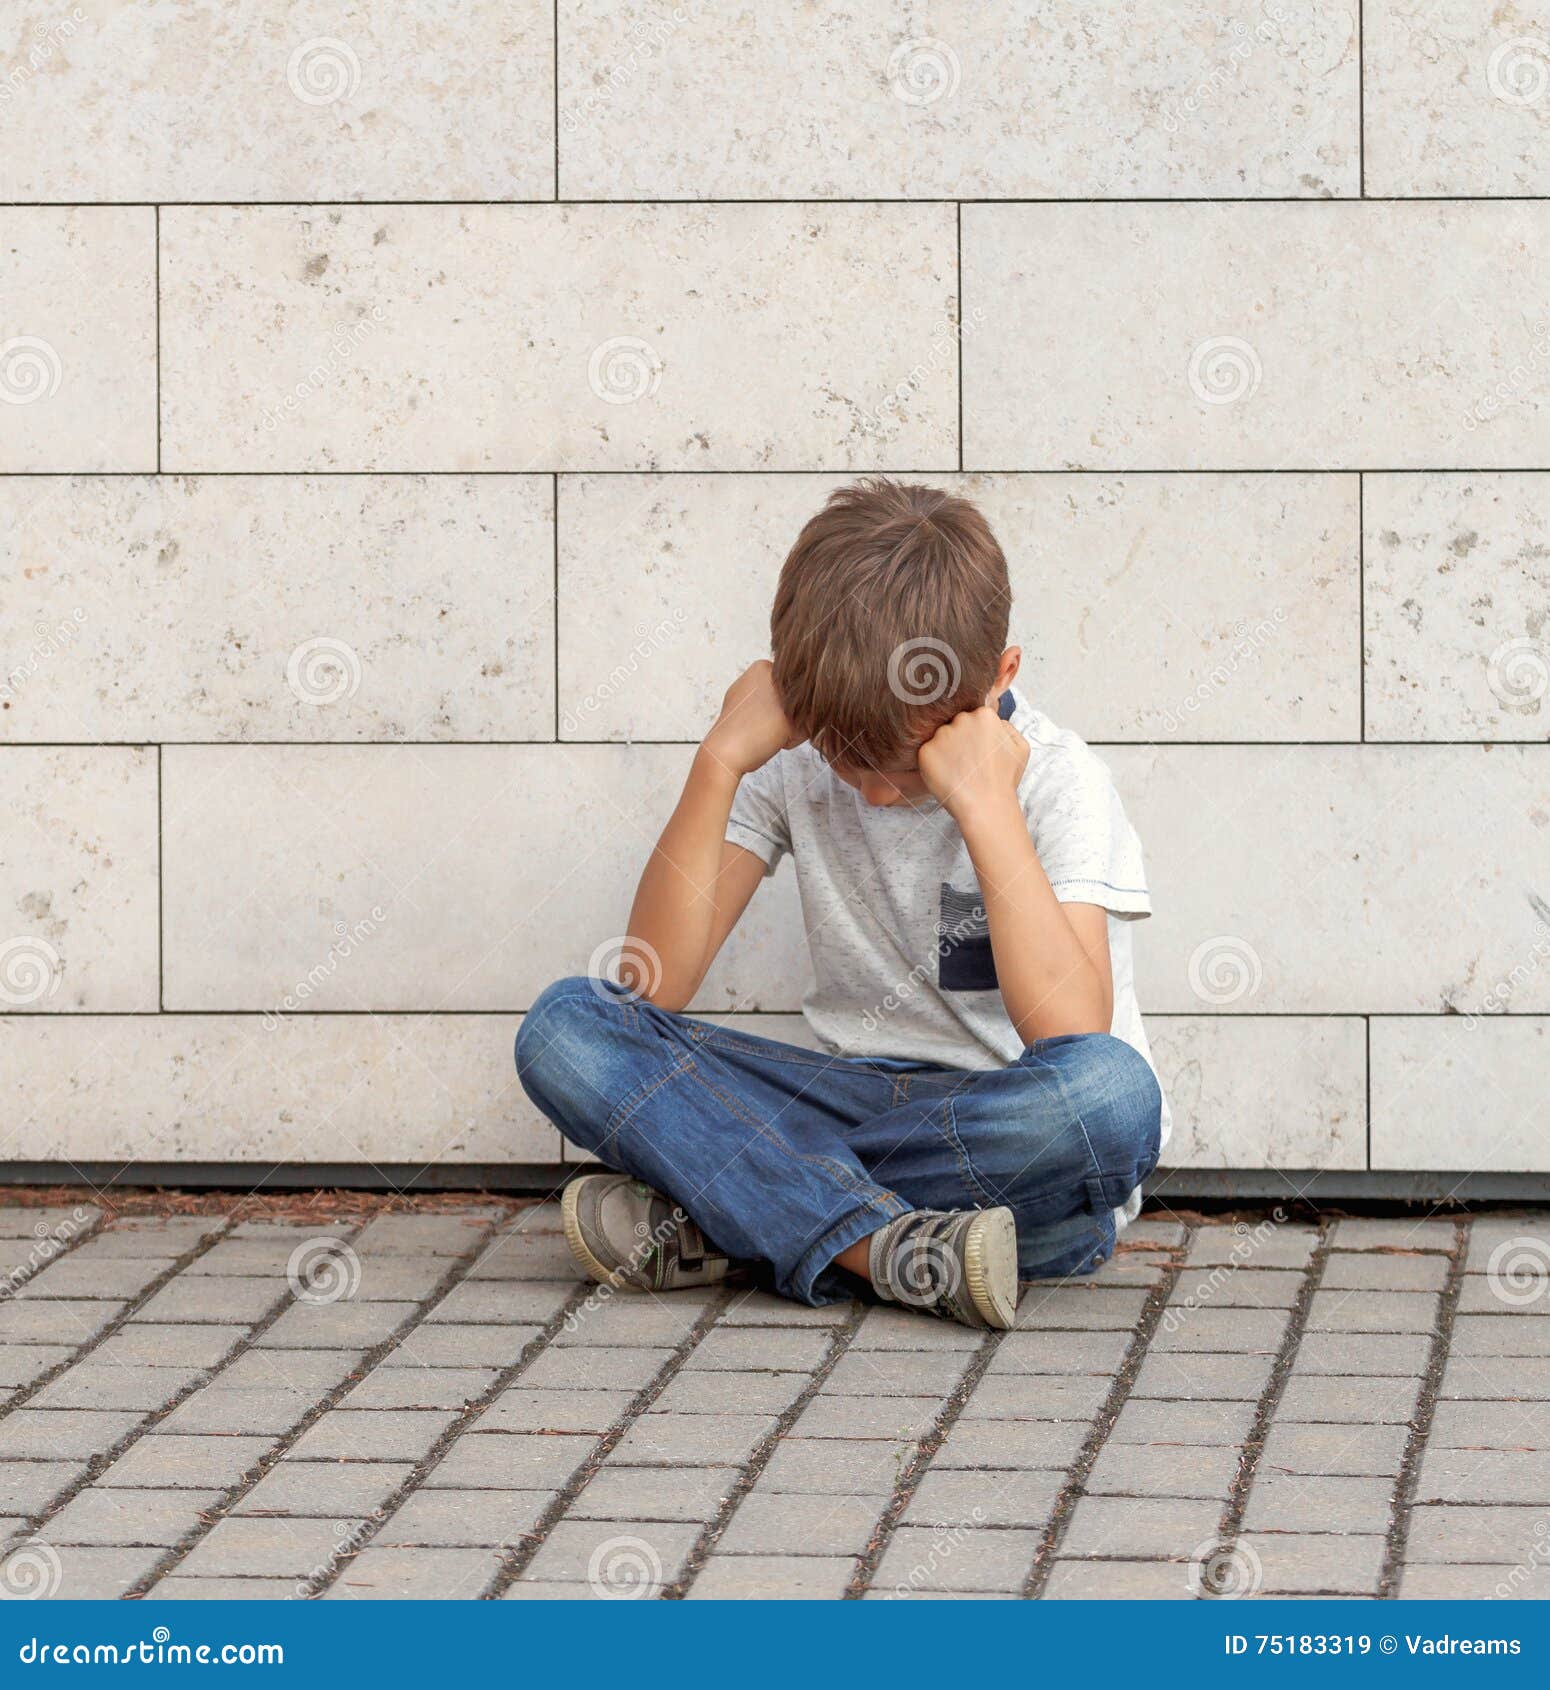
x=973 y=761
x=752 y=726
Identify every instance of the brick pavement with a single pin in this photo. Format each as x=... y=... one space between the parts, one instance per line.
x=428 y=1404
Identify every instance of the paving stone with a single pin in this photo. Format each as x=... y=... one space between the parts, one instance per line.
x=1142 y=1470
x=1294 y=1562
x=334 y=1326
x=1384 y=1273
x=772 y=1578
x=1233 y=1288
x=340 y=1490
x=312 y=1373
x=926 y=1558
x=835 y=1467
x=496 y=1302
x=249 y=1258
x=895 y=1373
x=585 y=1369
x=212 y=1302
x=944 y=1498
x=760 y=1308
x=164 y=1461
x=461 y=1346
x=1401 y=1232
x=121 y=1281
x=1491 y=1425
x=1501 y=1534
x=1476 y=1584
x=1499 y=1294
x=1291 y=1502
x=540 y=1254
x=95 y=1574
x=548 y=1590
x=169 y=1346
x=632 y=1321
x=1011 y=1444
x=1348 y=1401
x=1139 y=1528
x=268 y=1548
x=296 y=1232
x=1037 y=1397
x=692 y=1440
x=1234 y=1331
x=522 y=1410
x=607 y=1555
x=1401 y=1355
x=223 y=1590
x=463 y=1518
x=1060 y=1352
x=1374 y=1451
x=57 y=1434
x=1183 y=1423
x=900 y=1329
x=1079 y=1308
x=788 y=1523
x=398 y=1434
x=219 y=1411
x=654 y=1493
x=758 y=1350
x=708 y=1393
x=1501 y=1335
x=1474 y=1475
x=1252 y=1246
x=419 y=1575
x=1153 y=1230
x=1511 y=1235
x=938 y=1596
x=1372 y=1311
x=1487 y=1378
x=1104 y=1581
x=20 y=1364
x=23 y=1221
x=389 y=1279
x=1190 y=1377
x=73 y=1321
x=28 y=1487
x=109 y=1385
x=153 y=1235
x=426 y=1235
x=130 y=1517
x=420 y=1387
x=893 y=1418
x=511 y=1461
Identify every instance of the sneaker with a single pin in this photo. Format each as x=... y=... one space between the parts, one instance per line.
x=962 y=1265
x=634 y=1239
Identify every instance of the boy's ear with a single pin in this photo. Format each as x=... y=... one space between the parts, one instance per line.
x=1006 y=673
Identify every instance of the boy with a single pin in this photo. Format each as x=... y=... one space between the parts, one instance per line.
x=984 y=1107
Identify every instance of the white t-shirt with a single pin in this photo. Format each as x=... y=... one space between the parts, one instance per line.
x=900 y=945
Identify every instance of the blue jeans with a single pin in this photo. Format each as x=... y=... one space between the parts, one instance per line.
x=786 y=1156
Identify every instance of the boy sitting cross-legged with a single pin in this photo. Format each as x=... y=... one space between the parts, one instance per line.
x=983 y=1106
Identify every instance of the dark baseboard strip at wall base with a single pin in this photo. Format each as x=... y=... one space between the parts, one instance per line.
x=1175 y=1186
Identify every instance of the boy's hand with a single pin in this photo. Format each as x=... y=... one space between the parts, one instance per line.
x=752 y=726
x=973 y=763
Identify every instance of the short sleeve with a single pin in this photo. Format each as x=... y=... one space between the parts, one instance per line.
x=758 y=821
x=1083 y=837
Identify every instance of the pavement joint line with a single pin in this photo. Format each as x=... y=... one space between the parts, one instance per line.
x=1074 y=1486
x=1425 y=1411
x=760 y=1456
x=179 y=1552
x=437 y=1453
x=521 y=1555
x=15 y=1280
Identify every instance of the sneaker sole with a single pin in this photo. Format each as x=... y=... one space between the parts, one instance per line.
x=990 y=1267
x=576 y=1239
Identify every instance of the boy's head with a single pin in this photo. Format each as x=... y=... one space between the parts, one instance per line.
x=890 y=617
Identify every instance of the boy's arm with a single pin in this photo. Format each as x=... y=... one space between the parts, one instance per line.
x=1052 y=959
x=696 y=884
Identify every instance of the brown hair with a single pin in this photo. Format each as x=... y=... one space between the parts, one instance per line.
x=890 y=617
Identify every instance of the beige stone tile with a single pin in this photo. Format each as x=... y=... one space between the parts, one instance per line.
x=235 y=1088
x=1458 y=606
x=1273 y=1092
x=427 y=877
x=1464 y=1095
x=77 y=336
x=1009 y=97
x=1315 y=336
x=512 y=337
x=1456 y=98
x=239 y=100
x=1130 y=627
x=78 y=876
x=262 y=607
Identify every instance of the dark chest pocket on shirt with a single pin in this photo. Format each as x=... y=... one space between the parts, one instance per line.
x=964 y=962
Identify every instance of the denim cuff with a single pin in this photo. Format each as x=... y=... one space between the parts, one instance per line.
x=810 y=1282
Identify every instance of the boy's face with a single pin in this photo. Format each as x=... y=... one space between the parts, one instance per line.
x=886 y=787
